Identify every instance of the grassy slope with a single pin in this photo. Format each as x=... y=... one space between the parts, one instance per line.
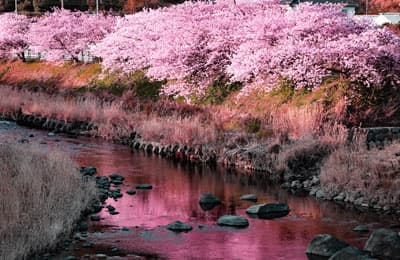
x=42 y=196
x=39 y=74
x=312 y=120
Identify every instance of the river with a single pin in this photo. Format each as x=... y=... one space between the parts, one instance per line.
x=175 y=194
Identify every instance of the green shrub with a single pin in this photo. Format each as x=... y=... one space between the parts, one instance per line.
x=218 y=91
x=138 y=82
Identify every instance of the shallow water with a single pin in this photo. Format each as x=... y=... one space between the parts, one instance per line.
x=176 y=190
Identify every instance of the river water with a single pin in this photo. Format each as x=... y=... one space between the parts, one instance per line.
x=175 y=194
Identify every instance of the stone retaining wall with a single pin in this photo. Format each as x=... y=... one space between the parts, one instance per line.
x=381 y=136
x=85 y=128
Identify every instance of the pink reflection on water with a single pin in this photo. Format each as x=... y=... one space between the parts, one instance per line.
x=175 y=195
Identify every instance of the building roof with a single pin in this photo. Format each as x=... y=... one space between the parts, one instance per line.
x=391 y=18
x=347 y=2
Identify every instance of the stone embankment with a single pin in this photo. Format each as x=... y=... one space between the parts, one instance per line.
x=86 y=128
x=302 y=175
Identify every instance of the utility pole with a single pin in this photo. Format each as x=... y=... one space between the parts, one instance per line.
x=366 y=7
x=97 y=7
x=62 y=4
x=16 y=6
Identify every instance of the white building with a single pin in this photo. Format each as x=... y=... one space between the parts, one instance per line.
x=387 y=18
x=381 y=19
x=349 y=8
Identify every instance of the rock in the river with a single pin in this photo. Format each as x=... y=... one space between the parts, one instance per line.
x=273 y=210
x=116 y=182
x=253 y=210
x=131 y=192
x=351 y=253
x=83 y=226
x=144 y=186
x=384 y=244
x=110 y=208
x=88 y=171
x=250 y=197
x=101 y=256
x=117 y=177
x=87 y=245
x=208 y=201
x=95 y=218
x=233 y=221
x=269 y=210
x=361 y=228
x=323 y=246
x=178 y=226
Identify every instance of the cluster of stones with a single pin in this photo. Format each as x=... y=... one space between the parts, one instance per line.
x=173 y=151
x=104 y=185
x=382 y=244
x=355 y=198
x=209 y=201
x=381 y=136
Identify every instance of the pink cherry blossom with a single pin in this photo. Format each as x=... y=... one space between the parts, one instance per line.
x=63 y=33
x=13 y=30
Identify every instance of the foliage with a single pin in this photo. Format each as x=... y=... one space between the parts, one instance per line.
x=195 y=44
x=141 y=85
x=251 y=42
x=218 y=91
x=63 y=33
x=13 y=29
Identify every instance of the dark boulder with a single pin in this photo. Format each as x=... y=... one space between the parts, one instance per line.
x=351 y=253
x=323 y=246
x=384 y=244
x=131 y=192
x=88 y=171
x=144 y=186
x=208 y=201
x=250 y=197
x=273 y=210
x=178 y=226
x=233 y=221
x=95 y=218
x=269 y=210
x=117 y=177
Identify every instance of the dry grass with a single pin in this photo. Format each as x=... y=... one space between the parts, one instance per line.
x=297 y=122
x=40 y=74
x=375 y=173
x=165 y=123
x=189 y=131
x=41 y=197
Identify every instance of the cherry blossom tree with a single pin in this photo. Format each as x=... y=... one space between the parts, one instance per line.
x=13 y=30
x=66 y=34
x=253 y=42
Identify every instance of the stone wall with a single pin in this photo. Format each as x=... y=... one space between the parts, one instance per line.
x=381 y=136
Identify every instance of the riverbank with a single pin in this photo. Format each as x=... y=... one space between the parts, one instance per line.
x=43 y=197
x=294 y=136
